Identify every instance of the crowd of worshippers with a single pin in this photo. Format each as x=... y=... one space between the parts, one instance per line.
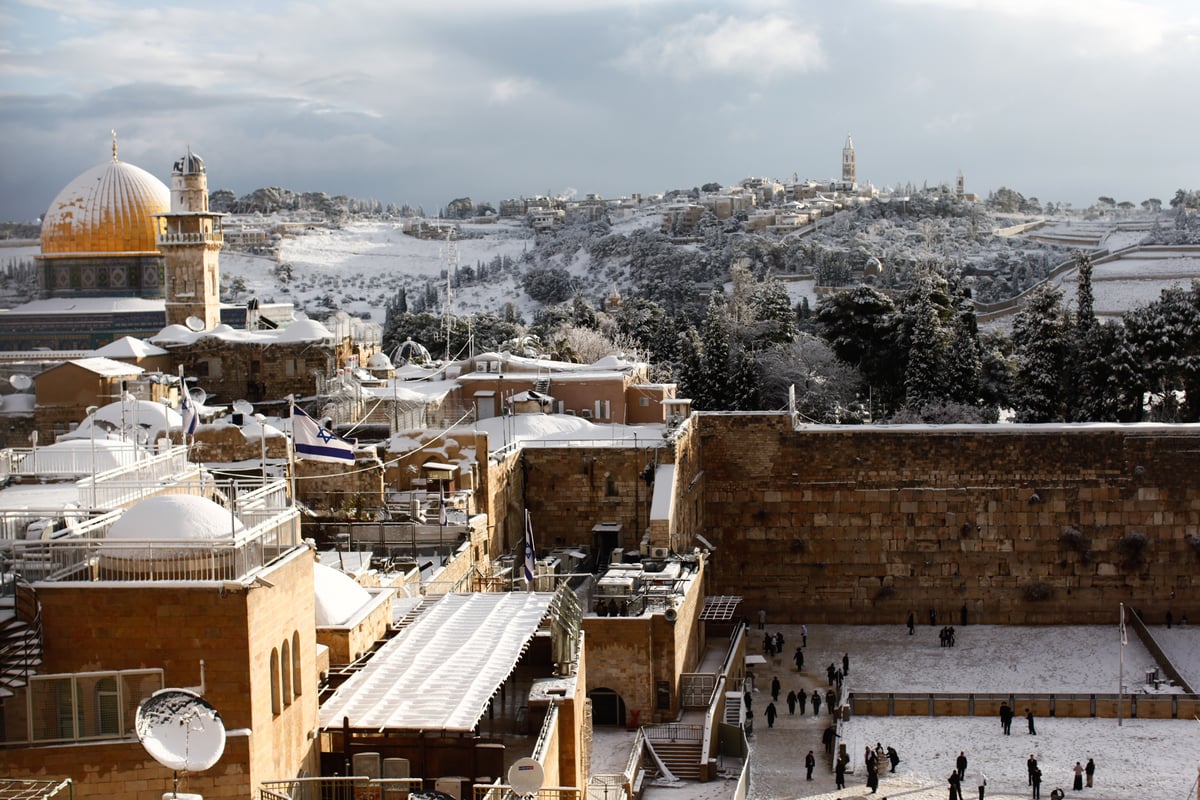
x=946 y=636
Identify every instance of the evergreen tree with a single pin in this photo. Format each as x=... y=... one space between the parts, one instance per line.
x=1041 y=344
x=924 y=375
x=1164 y=343
x=1086 y=314
x=964 y=367
x=774 y=321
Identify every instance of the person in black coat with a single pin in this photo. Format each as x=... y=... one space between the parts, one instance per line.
x=1089 y=770
x=770 y=712
x=802 y=699
x=791 y=701
x=799 y=659
x=845 y=664
x=955 y=786
x=810 y=761
x=961 y=763
x=1006 y=718
x=830 y=700
x=912 y=623
x=893 y=757
x=839 y=774
x=827 y=739
x=816 y=702
x=1029 y=721
x=775 y=687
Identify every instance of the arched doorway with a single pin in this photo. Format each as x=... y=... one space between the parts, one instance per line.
x=607 y=707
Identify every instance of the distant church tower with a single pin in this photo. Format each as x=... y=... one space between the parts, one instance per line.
x=848 y=172
x=190 y=239
x=960 y=185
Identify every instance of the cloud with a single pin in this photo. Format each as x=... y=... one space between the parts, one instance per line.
x=506 y=90
x=1090 y=27
x=760 y=49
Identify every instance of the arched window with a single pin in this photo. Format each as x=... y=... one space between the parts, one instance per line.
x=285 y=669
x=296 y=663
x=275 y=704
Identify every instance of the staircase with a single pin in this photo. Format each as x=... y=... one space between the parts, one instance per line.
x=20 y=635
x=681 y=757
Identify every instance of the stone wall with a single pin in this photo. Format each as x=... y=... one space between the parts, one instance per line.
x=1014 y=524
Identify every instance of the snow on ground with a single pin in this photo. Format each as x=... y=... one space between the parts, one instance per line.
x=1134 y=759
x=1182 y=646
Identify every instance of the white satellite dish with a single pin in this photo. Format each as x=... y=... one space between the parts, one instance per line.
x=243 y=407
x=526 y=776
x=20 y=382
x=194 y=324
x=198 y=395
x=180 y=730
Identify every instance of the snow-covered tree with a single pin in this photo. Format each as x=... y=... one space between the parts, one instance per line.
x=1041 y=344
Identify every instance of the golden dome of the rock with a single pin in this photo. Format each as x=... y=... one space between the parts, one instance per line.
x=107 y=210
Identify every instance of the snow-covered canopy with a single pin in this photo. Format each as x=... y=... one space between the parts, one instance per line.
x=183 y=517
x=440 y=672
x=336 y=595
x=129 y=347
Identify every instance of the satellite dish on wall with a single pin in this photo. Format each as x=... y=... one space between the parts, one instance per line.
x=525 y=777
x=198 y=395
x=180 y=730
x=194 y=324
x=671 y=615
x=20 y=382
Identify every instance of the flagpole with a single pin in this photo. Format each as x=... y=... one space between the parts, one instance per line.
x=1121 y=674
x=291 y=398
x=183 y=406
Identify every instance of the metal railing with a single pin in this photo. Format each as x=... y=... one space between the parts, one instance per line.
x=93 y=558
x=1057 y=704
x=354 y=787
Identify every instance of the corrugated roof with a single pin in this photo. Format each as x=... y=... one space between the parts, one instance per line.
x=440 y=672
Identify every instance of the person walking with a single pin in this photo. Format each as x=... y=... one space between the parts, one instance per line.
x=1031 y=766
x=830 y=700
x=845 y=663
x=1036 y=780
x=775 y=687
x=981 y=782
x=912 y=623
x=810 y=761
x=791 y=701
x=839 y=774
x=961 y=764
x=955 y=786
x=804 y=635
x=770 y=712
x=816 y=702
x=827 y=739
x=799 y=659
x=1088 y=770
x=1006 y=718
x=762 y=618
x=831 y=672
x=893 y=757
x=802 y=700
x=1029 y=722
x=1078 y=785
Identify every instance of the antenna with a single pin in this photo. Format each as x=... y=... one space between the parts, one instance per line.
x=180 y=730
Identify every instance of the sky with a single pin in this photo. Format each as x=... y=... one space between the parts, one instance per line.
x=423 y=102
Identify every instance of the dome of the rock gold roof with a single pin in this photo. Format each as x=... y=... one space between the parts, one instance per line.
x=107 y=210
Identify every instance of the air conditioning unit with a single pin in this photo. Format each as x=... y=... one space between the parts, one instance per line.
x=660 y=552
x=585 y=413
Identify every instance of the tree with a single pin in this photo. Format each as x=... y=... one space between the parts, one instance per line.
x=1040 y=340
x=1085 y=317
x=826 y=388
x=1164 y=346
x=1152 y=204
x=859 y=324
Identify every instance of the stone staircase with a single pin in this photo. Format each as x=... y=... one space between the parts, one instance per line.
x=20 y=636
x=681 y=757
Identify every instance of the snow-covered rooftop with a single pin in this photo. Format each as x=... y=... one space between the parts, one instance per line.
x=129 y=347
x=441 y=671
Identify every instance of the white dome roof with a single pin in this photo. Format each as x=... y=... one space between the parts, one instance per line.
x=305 y=330
x=379 y=361
x=183 y=517
x=338 y=597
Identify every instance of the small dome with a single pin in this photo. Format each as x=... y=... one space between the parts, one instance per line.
x=108 y=209
x=181 y=517
x=379 y=361
x=188 y=164
x=337 y=596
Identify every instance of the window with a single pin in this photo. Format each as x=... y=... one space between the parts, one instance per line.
x=108 y=721
x=285 y=670
x=296 y=663
x=610 y=485
x=643 y=401
x=275 y=703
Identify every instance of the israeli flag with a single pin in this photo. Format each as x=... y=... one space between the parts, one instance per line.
x=312 y=442
x=187 y=410
x=530 y=551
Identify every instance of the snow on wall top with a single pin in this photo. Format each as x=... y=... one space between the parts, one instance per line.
x=440 y=672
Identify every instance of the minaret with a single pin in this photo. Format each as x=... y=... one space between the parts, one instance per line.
x=190 y=239
x=848 y=173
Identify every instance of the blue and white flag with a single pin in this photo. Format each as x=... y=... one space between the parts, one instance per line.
x=313 y=442
x=530 y=551
x=187 y=410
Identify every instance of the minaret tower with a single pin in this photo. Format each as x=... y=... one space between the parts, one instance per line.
x=190 y=239
x=848 y=173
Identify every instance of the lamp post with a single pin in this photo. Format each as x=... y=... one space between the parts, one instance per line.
x=91 y=412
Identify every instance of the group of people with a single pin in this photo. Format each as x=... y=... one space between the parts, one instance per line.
x=959 y=776
x=946 y=636
x=772 y=643
x=801 y=698
x=1082 y=774
x=1006 y=718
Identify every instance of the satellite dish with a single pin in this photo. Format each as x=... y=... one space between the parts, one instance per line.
x=671 y=615
x=198 y=395
x=180 y=730
x=525 y=777
x=194 y=324
x=20 y=382
x=243 y=407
